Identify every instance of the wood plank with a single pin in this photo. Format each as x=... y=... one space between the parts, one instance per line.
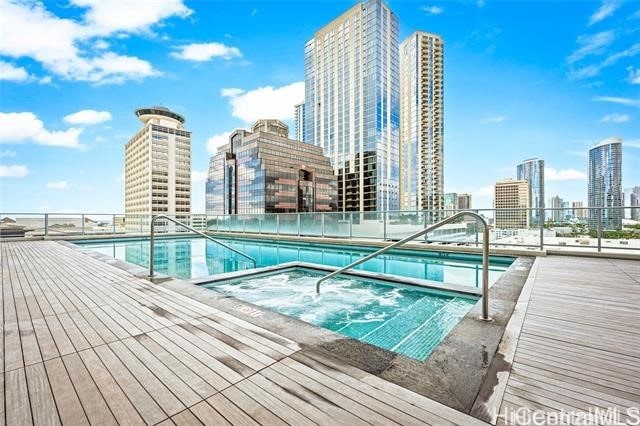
x=42 y=403
x=253 y=409
x=67 y=402
x=17 y=410
x=63 y=343
x=186 y=418
x=230 y=411
x=207 y=415
x=46 y=343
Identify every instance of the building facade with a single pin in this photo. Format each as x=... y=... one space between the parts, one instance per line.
x=532 y=170
x=157 y=175
x=450 y=202
x=299 y=122
x=556 y=203
x=422 y=122
x=464 y=202
x=578 y=211
x=263 y=171
x=634 y=201
x=352 y=104
x=511 y=199
x=605 y=185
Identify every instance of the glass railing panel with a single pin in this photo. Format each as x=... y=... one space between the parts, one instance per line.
x=269 y=224
x=65 y=224
x=288 y=224
x=311 y=224
x=337 y=225
x=14 y=225
x=368 y=225
x=400 y=225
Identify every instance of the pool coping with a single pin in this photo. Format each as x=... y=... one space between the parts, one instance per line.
x=452 y=374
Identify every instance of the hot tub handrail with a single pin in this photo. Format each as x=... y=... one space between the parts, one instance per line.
x=485 y=255
x=184 y=225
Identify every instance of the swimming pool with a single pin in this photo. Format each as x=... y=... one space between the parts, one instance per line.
x=409 y=320
x=195 y=257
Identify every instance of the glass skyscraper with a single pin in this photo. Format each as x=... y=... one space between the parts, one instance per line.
x=422 y=123
x=605 y=184
x=352 y=104
x=532 y=170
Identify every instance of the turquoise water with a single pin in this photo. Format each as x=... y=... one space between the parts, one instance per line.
x=187 y=258
x=407 y=320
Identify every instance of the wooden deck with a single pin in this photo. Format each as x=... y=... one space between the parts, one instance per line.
x=579 y=347
x=87 y=343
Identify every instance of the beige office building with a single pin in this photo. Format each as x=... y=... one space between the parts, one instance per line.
x=422 y=122
x=157 y=168
x=511 y=199
x=464 y=201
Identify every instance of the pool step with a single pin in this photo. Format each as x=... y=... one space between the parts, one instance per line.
x=394 y=331
x=424 y=339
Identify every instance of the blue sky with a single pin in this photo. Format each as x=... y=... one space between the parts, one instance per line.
x=523 y=79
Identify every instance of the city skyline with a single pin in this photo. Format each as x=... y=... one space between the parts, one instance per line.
x=67 y=155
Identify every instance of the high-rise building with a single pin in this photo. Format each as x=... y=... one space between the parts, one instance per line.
x=450 y=201
x=634 y=201
x=577 y=210
x=352 y=105
x=157 y=176
x=556 y=204
x=422 y=122
x=263 y=171
x=511 y=199
x=299 y=122
x=532 y=170
x=464 y=202
x=605 y=185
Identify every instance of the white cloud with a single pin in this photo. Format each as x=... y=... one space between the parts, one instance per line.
x=45 y=80
x=433 y=10
x=615 y=118
x=607 y=9
x=231 y=92
x=618 y=100
x=88 y=116
x=591 y=45
x=198 y=176
x=17 y=127
x=7 y=153
x=483 y=191
x=634 y=75
x=552 y=174
x=265 y=102
x=631 y=143
x=494 y=119
x=594 y=69
x=62 y=184
x=30 y=30
x=216 y=141
x=202 y=52
x=16 y=171
x=9 y=72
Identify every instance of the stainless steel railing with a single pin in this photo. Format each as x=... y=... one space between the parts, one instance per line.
x=152 y=234
x=485 y=256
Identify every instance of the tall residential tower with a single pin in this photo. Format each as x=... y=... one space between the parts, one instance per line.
x=421 y=122
x=532 y=171
x=157 y=177
x=351 y=104
x=605 y=184
x=299 y=122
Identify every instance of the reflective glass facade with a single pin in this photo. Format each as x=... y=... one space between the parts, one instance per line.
x=605 y=184
x=533 y=172
x=263 y=172
x=422 y=123
x=352 y=104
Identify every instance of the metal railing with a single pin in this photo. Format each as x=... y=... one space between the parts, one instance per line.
x=485 y=256
x=152 y=234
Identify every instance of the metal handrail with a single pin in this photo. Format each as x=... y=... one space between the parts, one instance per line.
x=485 y=256
x=162 y=216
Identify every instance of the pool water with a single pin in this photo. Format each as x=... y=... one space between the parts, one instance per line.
x=408 y=320
x=187 y=258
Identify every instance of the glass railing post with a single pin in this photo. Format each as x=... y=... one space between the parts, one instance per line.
x=541 y=221
x=599 y=231
x=46 y=224
x=260 y=223
x=277 y=224
x=322 y=224
x=350 y=226
x=384 y=226
x=298 y=224
x=425 y=220
x=82 y=226
x=113 y=224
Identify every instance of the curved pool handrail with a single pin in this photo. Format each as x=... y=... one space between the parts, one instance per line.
x=184 y=225
x=485 y=255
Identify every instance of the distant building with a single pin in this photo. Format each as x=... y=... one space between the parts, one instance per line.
x=199 y=221
x=532 y=171
x=157 y=176
x=299 y=122
x=556 y=203
x=511 y=199
x=605 y=185
x=578 y=211
x=422 y=123
x=263 y=171
x=450 y=202
x=464 y=202
x=634 y=201
x=352 y=106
